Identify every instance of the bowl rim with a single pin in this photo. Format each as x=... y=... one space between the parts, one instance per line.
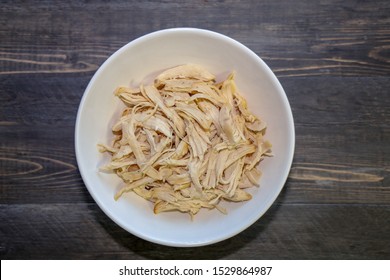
x=195 y=31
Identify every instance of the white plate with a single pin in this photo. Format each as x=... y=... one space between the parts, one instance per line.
x=145 y=57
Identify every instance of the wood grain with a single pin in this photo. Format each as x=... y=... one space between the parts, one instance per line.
x=82 y=231
x=341 y=146
x=300 y=38
x=332 y=58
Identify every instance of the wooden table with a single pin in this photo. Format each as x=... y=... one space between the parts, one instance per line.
x=332 y=58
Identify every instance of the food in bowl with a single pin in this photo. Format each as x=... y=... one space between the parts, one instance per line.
x=138 y=62
x=187 y=142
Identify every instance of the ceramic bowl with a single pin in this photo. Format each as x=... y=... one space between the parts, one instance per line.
x=138 y=62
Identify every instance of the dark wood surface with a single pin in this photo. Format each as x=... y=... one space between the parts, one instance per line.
x=332 y=58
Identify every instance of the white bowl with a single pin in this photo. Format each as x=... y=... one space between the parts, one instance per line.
x=145 y=57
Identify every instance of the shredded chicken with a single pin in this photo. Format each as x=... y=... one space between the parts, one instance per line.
x=187 y=142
